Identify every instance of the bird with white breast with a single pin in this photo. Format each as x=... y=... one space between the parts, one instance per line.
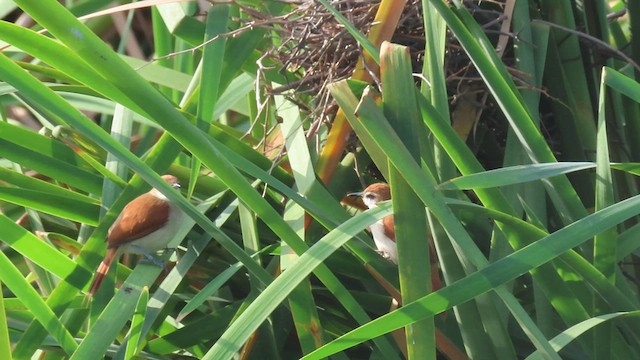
x=383 y=231
x=146 y=225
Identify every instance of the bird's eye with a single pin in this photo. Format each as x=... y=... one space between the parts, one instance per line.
x=370 y=196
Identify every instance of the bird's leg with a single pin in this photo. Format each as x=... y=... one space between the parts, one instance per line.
x=148 y=257
x=384 y=254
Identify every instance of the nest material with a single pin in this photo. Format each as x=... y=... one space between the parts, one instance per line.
x=318 y=50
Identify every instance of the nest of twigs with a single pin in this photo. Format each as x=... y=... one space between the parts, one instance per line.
x=318 y=50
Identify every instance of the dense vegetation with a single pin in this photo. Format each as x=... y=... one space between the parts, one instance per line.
x=515 y=124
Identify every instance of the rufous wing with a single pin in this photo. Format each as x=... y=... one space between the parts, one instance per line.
x=142 y=216
x=389 y=227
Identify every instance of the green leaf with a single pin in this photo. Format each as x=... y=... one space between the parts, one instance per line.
x=38 y=251
x=68 y=208
x=567 y=336
x=213 y=286
x=273 y=295
x=5 y=341
x=513 y=175
x=47 y=156
x=503 y=270
x=133 y=346
x=21 y=288
x=423 y=183
x=410 y=220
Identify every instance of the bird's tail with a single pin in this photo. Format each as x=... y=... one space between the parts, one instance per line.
x=102 y=270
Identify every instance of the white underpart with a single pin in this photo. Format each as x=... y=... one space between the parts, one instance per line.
x=160 y=238
x=385 y=245
x=158 y=194
x=369 y=202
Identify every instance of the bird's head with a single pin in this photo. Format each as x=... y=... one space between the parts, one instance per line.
x=169 y=179
x=373 y=194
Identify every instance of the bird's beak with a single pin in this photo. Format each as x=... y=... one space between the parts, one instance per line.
x=358 y=194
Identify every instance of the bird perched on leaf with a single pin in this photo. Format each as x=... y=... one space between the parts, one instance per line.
x=383 y=231
x=147 y=224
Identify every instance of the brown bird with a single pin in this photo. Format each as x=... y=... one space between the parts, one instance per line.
x=147 y=224
x=384 y=233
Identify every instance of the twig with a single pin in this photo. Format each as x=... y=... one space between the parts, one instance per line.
x=593 y=39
